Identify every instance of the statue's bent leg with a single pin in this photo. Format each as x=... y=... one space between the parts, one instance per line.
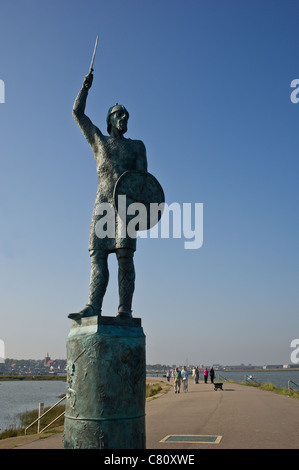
x=126 y=281
x=99 y=277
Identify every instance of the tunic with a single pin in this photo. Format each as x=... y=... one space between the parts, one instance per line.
x=113 y=156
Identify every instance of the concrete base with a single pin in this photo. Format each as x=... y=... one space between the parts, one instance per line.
x=105 y=405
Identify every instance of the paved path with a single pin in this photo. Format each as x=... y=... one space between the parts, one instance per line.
x=244 y=417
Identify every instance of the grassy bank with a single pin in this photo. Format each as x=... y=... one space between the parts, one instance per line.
x=271 y=388
x=28 y=417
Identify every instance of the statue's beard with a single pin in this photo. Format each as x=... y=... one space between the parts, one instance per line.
x=122 y=127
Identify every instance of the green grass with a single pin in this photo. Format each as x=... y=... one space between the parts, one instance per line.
x=27 y=417
x=271 y=388
x=152 y=390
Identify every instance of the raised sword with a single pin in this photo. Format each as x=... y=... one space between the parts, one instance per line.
x=93 y=55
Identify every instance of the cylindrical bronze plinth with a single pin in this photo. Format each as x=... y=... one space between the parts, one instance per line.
x=105 y=405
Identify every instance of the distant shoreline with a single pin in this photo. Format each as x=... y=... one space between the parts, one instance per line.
x=4 y=378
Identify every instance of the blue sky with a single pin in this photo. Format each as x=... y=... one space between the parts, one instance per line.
x=207 y=85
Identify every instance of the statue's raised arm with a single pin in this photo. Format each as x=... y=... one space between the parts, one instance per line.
x=85 y=124
x=88 y=129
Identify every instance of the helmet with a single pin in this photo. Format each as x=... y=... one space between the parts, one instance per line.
x=113 y=110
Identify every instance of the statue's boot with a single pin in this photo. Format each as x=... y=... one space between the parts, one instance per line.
x=126 y=281
x=99 y=277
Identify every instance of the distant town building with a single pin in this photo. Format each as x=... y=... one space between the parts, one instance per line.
x=47 y=360
x=273 y=366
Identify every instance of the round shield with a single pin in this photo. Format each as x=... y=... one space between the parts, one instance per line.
x=139 y=192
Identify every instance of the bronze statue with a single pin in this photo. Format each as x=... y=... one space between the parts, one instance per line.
x=115 y=156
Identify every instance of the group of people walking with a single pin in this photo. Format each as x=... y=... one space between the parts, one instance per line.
x=180 y=377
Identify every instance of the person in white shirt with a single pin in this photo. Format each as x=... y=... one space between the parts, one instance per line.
x=184 y=374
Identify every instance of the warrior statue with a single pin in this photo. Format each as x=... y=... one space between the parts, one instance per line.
x=115 y=156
